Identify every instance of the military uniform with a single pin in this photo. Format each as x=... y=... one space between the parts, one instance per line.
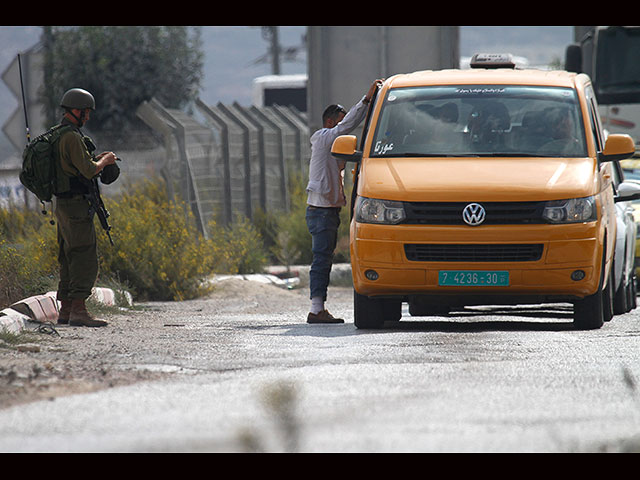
x=77 y=252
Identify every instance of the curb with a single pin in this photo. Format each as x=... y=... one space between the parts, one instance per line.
x=287 y=283
x=45 y=308
x=12 y=321
x=296 y=276
x=340 y=274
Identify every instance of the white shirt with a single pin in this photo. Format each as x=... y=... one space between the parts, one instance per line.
x=325 y=187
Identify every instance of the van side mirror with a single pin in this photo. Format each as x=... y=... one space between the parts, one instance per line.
x=627 y=191
x=344 y=148
x=573 y=58
x=617 y=147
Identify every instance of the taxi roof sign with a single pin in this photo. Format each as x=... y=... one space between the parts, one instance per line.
x=492 y=60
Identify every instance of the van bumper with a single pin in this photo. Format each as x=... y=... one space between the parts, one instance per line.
x=565 y=250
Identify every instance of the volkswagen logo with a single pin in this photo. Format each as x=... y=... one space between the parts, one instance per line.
x=473 y=214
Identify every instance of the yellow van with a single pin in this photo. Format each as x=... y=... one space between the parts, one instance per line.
x=486 y=186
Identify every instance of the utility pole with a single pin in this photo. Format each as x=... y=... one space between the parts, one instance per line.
x=271 y=35
x=50 y=109
x=276 y=53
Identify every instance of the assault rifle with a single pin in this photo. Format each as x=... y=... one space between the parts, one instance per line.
x=96 y=205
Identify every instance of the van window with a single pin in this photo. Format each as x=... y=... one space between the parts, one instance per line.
x=480 y=120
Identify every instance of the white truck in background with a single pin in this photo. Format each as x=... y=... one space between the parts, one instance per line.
x=610 y=56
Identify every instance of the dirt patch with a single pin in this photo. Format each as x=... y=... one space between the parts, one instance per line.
x=64 y=361
x=134 y=347
x=255 y=297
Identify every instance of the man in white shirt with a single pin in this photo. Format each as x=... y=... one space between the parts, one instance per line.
x=325 y=197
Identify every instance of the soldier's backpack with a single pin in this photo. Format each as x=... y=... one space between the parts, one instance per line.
x=41 y=173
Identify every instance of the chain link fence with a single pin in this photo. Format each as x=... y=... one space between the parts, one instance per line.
x=224 y=160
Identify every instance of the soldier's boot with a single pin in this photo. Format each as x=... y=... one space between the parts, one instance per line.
x=80 y=317
x=64 y=312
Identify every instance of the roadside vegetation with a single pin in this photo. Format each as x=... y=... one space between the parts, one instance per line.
x=159 y=254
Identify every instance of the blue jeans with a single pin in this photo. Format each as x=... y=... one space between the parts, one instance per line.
x=323 y=225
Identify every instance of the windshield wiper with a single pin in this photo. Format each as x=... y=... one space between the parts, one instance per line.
x=421 y=154
x=464 y=155
x=512 y=154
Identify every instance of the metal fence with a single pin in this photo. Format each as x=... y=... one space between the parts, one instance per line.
x=225 y=160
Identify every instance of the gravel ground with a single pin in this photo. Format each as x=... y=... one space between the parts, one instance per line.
x=68 y=360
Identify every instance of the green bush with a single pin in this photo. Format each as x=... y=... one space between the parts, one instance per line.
x=238 y=248
x=293 y=244
x=159 y=254
x=20 y=222
x=293 y=241
x=158 y=250
x=28 y=255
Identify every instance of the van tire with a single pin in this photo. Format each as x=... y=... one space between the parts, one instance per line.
x=622 y=298
x=623 y=301
x=371 y=313
x=607 y=297
x=589 y=313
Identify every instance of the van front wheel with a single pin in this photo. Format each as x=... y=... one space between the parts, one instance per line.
x=371 y=313
x=589 y=313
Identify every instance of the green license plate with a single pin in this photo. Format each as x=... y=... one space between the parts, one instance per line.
x=473 y=278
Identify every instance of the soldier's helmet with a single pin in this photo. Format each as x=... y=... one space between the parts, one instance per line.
x=78 y=98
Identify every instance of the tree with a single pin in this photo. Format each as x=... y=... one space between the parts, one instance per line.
x=122 y=66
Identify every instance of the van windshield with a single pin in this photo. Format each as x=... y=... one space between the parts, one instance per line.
x=480 y=120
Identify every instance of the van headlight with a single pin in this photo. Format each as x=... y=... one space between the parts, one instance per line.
x=575 y=210
x=371 y=210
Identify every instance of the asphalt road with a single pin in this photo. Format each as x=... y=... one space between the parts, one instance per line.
x=255 y=377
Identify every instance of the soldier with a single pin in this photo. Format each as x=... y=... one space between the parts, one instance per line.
x=77 y=254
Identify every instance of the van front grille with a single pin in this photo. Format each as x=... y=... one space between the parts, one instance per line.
x=473 y=253
x=450 y=213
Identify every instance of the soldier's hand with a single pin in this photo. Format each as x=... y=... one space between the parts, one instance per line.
x=104 y=159
x=108 y=157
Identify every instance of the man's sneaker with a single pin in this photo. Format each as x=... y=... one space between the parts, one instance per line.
x=323 y=317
